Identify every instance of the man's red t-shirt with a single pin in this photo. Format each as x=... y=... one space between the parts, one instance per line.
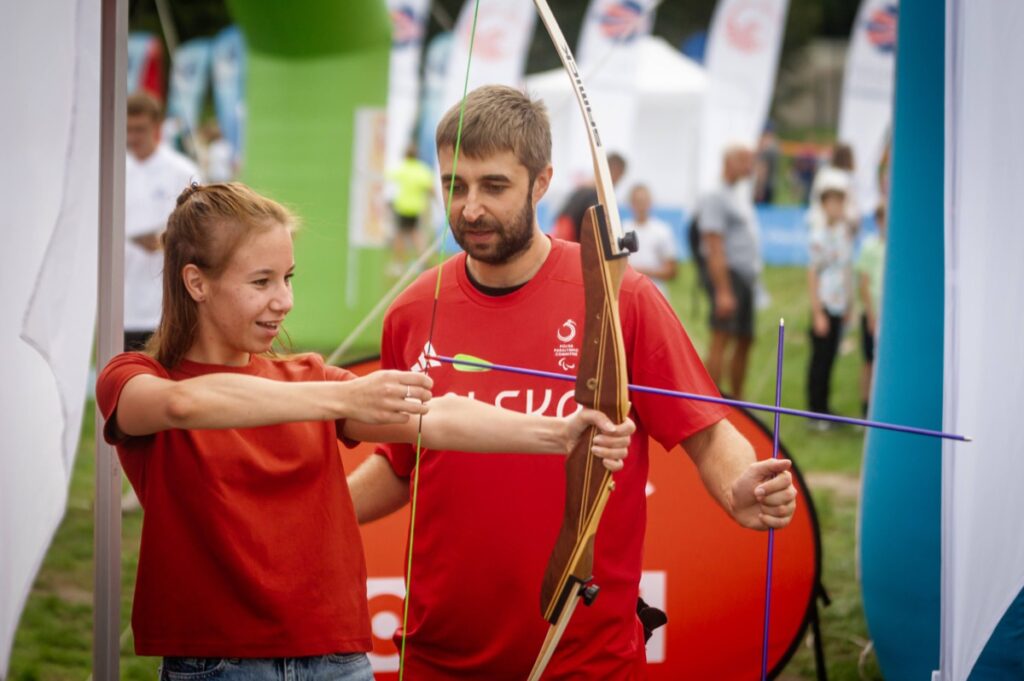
x=486 y=523
x=249 y=540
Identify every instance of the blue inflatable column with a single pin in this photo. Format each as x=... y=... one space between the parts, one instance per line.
x=900 y=504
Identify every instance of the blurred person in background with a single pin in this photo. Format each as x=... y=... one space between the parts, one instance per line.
x=656 y=254
x=802 y=169
x=765 y=165
x=730 y=247
x=218 y=155
x=413 y=184
x=839 y=170
x=570 y=219
x=154 y=176
x=869 y=267
x=830 y=287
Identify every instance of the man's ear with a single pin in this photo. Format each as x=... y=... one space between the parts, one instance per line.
x=195 y=282
x=541 y=183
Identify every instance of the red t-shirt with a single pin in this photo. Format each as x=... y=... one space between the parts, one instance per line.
x=250 y=546
x=486 y=523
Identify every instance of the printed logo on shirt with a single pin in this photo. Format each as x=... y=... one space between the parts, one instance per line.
x=422 y=363
x=566 y=351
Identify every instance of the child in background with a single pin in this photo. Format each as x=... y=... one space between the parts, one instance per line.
x=830 y=284
x=869 y=267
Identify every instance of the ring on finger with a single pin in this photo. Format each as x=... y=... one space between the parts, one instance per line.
x=408 y=391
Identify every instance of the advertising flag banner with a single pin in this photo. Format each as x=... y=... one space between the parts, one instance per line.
x=145 y=64
x=228 y=57
x=408 y=21
x=865 y=110
x=190 y=76
x=504 y=32
x=742 y=59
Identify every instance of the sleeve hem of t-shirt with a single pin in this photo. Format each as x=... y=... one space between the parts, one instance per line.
x=111 y=434
x=339 y=429
x=401 y=465
x=694 y=426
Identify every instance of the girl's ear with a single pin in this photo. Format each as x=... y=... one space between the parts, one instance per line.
x=195 y=282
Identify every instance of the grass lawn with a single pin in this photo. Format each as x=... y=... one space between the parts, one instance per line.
x=54 y=637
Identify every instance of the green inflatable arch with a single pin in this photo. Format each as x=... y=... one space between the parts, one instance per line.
x=311 y=65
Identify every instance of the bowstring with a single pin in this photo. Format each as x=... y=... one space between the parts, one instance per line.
x=429 y=347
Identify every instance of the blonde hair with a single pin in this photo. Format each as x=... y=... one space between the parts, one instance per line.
x=208 y=225
x=500 y=118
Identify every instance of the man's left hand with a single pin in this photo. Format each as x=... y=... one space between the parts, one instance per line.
x=764 y=495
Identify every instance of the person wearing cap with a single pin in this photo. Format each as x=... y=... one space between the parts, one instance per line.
x=830 y=286
x=839 y=170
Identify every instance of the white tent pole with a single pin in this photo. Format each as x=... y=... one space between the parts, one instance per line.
x=110 y=326
x=163 y=13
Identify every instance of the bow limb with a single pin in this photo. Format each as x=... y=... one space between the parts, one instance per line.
x=602 y=382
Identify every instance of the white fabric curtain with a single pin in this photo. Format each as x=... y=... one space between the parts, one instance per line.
x=983 y=508
x=49 y=131
x=865 y=110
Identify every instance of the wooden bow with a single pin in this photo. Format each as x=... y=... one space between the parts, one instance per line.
x=602 y=382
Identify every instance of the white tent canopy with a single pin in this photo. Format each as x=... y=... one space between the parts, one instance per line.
x=665 y=134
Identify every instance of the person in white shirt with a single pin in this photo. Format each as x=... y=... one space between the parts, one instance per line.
x=656 y=255
x=155 y=175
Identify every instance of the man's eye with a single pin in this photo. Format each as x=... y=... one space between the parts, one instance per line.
x=261 y=282
x=288 y=278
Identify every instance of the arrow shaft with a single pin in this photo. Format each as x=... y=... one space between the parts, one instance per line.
x=756 y=406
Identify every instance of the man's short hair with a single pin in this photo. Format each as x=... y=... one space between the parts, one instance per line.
x=144 y=104
x=500 y=118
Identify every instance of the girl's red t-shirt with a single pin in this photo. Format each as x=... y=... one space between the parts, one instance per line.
x=250 y=546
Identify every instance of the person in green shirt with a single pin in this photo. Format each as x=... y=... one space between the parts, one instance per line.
x=869 y=267
x=413 y=184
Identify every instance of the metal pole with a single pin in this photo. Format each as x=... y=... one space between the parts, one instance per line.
x=163 y=13
x=110 y=331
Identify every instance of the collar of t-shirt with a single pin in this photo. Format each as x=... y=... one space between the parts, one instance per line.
x=491 y=290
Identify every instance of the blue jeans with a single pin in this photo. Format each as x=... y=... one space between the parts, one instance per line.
x=354 y=667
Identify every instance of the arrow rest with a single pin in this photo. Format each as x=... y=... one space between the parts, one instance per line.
x=629 y=242
x=623 y=246
x=589 y=593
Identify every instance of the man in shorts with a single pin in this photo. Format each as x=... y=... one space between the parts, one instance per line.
x=729 y=244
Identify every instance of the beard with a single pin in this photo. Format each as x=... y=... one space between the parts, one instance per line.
x=511 y=238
